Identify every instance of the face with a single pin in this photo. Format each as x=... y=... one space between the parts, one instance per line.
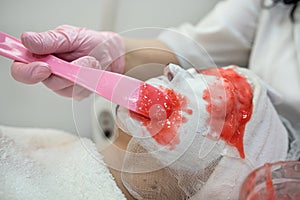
x=171 y=137
x=169 y=144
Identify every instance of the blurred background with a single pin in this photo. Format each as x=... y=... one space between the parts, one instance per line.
x=36 y=106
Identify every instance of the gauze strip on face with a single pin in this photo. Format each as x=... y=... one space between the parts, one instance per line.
x=224 y=126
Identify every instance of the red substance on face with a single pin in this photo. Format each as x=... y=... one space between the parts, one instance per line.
x=230 y=106
x=162 y=127
x=149 y=96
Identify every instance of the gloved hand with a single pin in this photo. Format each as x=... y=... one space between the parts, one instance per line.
x=104 y=50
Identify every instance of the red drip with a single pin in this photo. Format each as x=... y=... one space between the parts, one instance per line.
x=163 y=128
x=269 y=183
x=232 y=110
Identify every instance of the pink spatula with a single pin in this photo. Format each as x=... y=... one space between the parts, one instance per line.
x=128 y=92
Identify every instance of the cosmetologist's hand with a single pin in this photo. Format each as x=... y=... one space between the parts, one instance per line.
x=88 y=48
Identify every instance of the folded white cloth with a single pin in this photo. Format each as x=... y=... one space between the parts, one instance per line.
x=203 y=168
x=38 y=164
x=265 y=140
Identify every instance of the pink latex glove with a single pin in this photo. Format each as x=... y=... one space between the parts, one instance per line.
x=72 y=44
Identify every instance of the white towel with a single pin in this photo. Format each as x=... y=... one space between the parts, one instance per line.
x=46 y=164
x=265 y=140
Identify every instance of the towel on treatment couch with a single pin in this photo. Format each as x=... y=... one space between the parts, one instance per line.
x=38 y=164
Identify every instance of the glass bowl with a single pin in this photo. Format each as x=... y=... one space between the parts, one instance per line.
x=273 y=181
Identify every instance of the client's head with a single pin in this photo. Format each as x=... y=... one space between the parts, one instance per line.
x=221 y=128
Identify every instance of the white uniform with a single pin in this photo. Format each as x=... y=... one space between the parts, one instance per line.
x=243 y=33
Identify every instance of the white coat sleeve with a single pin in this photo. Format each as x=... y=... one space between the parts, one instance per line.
x=226 y=34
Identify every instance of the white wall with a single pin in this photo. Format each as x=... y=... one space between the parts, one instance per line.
x=36 y=106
